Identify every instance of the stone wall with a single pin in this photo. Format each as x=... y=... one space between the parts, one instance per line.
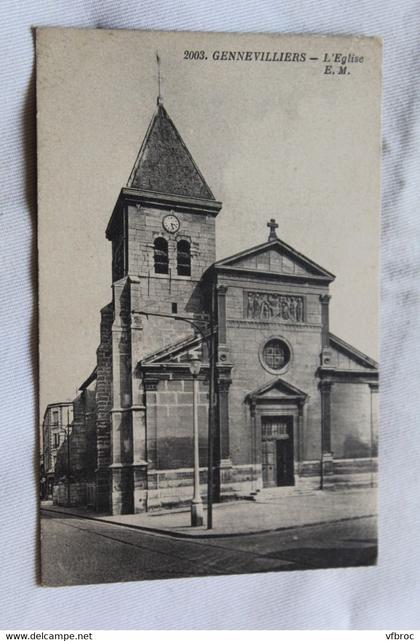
x=245 y=339
x=103 y=407
x=174 y=487
x=170 y=424
x=56 y=419
x=83 y=437
x=164 y=293
x=76 y=458
x=78 y=494
x=145 y=224
x=352 y=434
x=357 y=472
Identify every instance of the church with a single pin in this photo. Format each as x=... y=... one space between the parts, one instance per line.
x=294 y=405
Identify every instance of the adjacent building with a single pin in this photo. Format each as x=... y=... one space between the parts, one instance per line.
x=55 y=426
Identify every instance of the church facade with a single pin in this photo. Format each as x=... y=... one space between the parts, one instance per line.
x=294 y=405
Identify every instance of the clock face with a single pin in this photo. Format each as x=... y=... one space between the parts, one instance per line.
x=171 y=223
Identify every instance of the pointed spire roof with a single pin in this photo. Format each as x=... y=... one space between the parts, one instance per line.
x=164 y=164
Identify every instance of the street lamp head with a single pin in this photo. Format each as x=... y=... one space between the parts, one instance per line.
x=195 y=365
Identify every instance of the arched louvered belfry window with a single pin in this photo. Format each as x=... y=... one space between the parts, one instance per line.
x=161 y=256
x=183 y=258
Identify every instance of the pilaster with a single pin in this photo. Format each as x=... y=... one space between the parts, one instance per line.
x=221 y=291
x=300 y=432
x=374 y=389
x=257 y=484
x=138 y=417
x=222 y=459
x=327 y=462
x=121 y=424
x=103 y=397
x=325 y=331
x=102 y=489
x=223 y=463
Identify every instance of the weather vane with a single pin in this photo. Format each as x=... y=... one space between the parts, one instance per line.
x=159 y=98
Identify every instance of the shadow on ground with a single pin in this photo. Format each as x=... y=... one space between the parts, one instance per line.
x=329 y=557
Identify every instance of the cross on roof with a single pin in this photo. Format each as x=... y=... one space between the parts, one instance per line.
x=273 y=226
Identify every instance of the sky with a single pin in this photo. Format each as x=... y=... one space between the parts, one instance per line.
x=277 y=140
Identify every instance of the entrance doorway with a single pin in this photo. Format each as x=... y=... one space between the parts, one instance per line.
x=277 y=451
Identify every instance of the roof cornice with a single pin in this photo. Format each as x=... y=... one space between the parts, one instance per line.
x=276 y=276
x=173 y=202
x=319 y=273
x=351 y=351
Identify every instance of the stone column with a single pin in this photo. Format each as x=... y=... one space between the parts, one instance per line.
x=223 y=408
x=300 y=435
x=140 y=463
x=138 y=420
x=374 y=388
x=221 y=314
x=327 y=462
x=223 y=460
x=121 y=427
x=121 y=467
x=325 y=330
x=103 y=418
x=257 y=481
x=153 y=494
x=223 y=382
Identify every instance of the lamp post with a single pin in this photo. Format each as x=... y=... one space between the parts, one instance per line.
x=67 y=432
x=209 y=339
x=65 y=446
x=196 y=504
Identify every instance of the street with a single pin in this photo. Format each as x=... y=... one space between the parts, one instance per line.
x=80 y=551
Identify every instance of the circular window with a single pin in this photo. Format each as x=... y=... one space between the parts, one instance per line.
x=275 y=355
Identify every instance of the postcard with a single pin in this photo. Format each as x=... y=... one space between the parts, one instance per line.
x=208 y=236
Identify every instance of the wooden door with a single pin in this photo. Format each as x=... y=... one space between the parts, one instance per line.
x=284 y=467
x=269 y=463
x=277 y=451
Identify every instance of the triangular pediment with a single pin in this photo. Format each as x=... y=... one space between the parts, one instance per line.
x=178 y=353
x=164 y=164
x=277 y=389
x=275 y=257
x=345 y=357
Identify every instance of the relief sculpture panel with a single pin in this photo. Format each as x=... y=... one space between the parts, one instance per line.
x=261 y=306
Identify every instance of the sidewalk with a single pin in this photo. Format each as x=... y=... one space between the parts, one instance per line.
x=240 y=518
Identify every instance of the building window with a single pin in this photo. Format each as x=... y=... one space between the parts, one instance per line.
x=276 y=354
x=55 y=417
x=274 y=427
x=183 y=258
x=161 y=256
x=56 y=440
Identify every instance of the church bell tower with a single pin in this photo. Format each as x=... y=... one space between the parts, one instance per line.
x=162 y=231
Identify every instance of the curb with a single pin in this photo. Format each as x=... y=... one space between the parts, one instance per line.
x=183 y=535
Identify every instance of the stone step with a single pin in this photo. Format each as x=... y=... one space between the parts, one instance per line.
x=274 y=494
x=364 y=479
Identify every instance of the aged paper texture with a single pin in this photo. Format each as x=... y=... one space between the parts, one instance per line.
x=208 y=301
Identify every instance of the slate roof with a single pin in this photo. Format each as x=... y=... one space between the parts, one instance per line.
x=164 y=164
x=352 y=353
x=92 y=376
x=173 y=353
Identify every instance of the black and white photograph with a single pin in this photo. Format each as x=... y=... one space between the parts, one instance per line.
x=208 y=238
